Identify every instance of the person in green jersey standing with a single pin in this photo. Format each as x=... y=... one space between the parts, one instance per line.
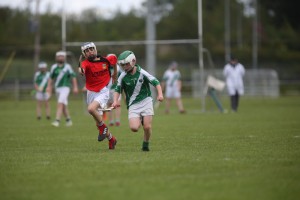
x=62 y=77
x=171 y=83
x=41 y=78
x=135 y=82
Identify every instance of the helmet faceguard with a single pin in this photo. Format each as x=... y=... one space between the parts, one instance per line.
x=89 y=46
x=61 y=57
x=42 y=65
x=61 y=53
x=127 y=58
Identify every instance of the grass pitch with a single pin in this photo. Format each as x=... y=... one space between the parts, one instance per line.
x=254 y=154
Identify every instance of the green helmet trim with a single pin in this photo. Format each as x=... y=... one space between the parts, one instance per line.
x=126 y=57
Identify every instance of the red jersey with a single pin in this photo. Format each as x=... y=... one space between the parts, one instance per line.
x=97 y=74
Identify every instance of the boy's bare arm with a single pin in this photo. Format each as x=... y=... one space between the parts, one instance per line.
x=160 y=96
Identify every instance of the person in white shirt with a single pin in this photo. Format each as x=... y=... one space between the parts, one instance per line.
x=234 y=73
x=171 y=84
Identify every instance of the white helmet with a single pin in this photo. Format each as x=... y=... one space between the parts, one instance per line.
x=61 y=53
x=87 y=45
x=42 y=65
x=127 y=57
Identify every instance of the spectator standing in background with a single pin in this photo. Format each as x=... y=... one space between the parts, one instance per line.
x=234 y=73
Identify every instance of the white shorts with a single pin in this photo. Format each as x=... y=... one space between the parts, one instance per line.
x=42 y=96
x=101 y=97
x=62 y=94
x=172 y=92
x=142 y=108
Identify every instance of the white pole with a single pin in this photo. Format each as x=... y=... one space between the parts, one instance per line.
x=227 y=30
x=37 y=36
x=63 y=26
x=201 y=67
x=254 y=35
x=150 y=36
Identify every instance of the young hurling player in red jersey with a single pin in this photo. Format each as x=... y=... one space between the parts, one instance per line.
x=97 y=74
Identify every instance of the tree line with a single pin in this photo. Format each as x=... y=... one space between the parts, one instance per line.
x=278 y=30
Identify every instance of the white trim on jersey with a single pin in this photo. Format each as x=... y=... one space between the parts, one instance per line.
x=45 y=81
x=149 y=76
x=67 y=67
x=60 y=76
x=137 y=89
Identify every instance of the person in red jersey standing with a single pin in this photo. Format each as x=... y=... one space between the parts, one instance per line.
x=95 y=68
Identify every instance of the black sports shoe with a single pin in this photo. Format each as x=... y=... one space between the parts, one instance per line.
x=145 y=149
x=145 y=146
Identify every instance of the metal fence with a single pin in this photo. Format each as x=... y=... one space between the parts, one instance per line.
x=257 y=82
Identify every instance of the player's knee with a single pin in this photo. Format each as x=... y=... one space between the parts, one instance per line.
x=147 y=127
x=134 y=128
x=91 y=110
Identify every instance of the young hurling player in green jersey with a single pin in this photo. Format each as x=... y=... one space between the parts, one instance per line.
x=171 y=83
x=134 y=81
x=41 y=78
x=61 y=76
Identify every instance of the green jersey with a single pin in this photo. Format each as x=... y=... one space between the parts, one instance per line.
x=41 y=79
x=62 y=75
x=136 y=86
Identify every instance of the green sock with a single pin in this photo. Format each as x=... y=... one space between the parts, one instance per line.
x=145 y=146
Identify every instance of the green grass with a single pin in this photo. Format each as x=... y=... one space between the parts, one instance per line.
x=254 y=154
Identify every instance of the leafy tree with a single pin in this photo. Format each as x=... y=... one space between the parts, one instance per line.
x=278 y=29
